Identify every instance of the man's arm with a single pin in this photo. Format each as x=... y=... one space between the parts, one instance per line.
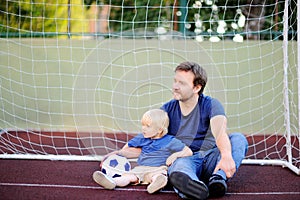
x=186 y=151
x=218 y=127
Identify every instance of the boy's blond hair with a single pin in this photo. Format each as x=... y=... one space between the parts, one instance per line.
x=158 y=118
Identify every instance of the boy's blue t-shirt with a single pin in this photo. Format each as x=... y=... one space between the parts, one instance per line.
x=201 y=138
x=155 y=151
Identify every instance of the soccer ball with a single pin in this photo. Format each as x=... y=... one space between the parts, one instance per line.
x=115 y=166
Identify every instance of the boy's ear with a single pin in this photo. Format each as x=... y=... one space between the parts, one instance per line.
x=163 y=130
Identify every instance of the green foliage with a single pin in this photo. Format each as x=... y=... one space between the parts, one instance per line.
x=41 y=17
x=50 y=17
x=143 y=14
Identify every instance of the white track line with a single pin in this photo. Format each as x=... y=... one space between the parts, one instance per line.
x=264 y=193
x=72 y=186
x=132 y=189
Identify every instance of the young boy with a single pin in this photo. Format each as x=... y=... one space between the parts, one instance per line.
x=158 y=150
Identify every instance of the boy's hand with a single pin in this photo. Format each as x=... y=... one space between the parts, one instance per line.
x=171 y=159
x=186 y=151
x=106 y=156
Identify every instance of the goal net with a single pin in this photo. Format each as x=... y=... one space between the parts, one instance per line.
x=77 y=75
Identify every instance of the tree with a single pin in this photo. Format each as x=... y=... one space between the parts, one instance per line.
x=132 y=16
x=220 y=18
x=42 y=18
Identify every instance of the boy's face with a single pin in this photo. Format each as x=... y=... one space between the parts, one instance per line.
x=149 y=129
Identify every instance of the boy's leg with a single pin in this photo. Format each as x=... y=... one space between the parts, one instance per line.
x=125 y=179
x=158 y=181
x=104 y=180
x=110 y=183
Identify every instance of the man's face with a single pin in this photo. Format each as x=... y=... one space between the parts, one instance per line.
x=183 y=87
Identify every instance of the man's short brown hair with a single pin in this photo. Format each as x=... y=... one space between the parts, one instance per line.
x=197 y=70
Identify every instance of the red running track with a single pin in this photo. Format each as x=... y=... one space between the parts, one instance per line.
x=44 y=179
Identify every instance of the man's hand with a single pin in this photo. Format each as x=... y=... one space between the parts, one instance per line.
x=226 y=164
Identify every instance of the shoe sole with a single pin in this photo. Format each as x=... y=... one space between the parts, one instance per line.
x=192 y=189
x=102 y=180
x=160 y=182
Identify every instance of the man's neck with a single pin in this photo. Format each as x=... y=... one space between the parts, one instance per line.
x=188 y=105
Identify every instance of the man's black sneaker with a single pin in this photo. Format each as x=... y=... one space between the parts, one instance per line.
x=217 y=186
x=191 y=188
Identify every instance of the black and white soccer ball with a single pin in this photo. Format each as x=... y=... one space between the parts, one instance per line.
x=115 y=165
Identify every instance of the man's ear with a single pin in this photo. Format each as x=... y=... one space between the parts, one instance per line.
x=197 y=88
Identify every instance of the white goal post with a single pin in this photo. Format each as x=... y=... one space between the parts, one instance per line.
x=75 y=77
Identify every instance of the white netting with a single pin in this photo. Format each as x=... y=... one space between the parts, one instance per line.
x=77 y=76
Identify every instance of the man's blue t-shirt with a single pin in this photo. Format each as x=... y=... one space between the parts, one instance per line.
x=194 y=129
x=155 y=151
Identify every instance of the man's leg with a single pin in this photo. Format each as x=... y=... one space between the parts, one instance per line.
x=239 y=145
x=217 y=182
x=183 y=176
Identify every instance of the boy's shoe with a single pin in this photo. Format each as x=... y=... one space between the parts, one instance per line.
x=104 y=180
x=217 y=186
x=158 y=183
x=190 y=188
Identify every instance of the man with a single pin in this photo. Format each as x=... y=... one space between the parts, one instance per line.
x=200 y=122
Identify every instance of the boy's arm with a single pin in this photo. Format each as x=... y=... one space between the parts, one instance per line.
x=186 y=151
x=129 y=152
x=126 y=151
